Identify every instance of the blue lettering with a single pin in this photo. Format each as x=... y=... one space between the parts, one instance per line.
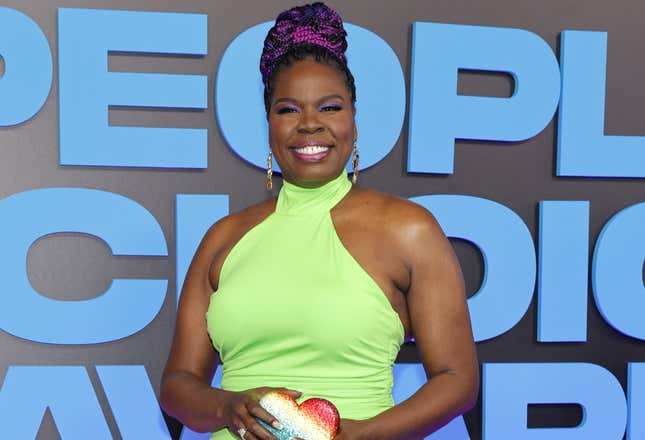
x=635 y=400
x=87 y=89
x=438 y=115
x=27 y=77
x=133 y=402
x=508 y=389
x=617 y=271
x=583 y=148
x=28 y=391
x=563 y=270
x=125 y=226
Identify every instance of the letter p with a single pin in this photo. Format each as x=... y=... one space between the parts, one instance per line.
x=438 y=115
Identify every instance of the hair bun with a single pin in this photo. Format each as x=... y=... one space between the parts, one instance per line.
x=315 y=24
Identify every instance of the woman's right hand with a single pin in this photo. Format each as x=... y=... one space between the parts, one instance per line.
x=241 y=409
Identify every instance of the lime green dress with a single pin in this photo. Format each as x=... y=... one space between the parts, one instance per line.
x=294 y=309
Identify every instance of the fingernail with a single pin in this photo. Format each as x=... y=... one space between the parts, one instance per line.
x=276 y=424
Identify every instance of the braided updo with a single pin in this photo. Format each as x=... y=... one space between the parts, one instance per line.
x=309 y=31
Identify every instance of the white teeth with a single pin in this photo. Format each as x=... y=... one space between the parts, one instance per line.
x=311 y=149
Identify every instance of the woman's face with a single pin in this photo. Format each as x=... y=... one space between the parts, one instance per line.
x=311 y=122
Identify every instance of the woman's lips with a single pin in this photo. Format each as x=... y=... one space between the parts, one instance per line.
x=311 y=153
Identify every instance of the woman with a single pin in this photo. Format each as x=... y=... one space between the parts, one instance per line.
x=316 y=290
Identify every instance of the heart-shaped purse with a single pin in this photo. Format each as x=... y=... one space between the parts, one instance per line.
x=313 y=419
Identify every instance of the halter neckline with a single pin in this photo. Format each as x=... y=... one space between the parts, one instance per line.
x=297 y=200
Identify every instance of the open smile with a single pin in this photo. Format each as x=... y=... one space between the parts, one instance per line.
x=311 y=153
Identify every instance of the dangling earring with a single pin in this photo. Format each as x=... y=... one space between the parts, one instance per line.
x=269 y=171
x=355 y=164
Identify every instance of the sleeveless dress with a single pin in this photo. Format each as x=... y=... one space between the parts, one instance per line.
x=294 y=309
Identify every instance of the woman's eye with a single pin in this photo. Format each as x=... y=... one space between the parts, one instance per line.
x=283 y=110
x=331 y=108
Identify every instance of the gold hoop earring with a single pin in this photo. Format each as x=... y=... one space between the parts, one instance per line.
x=269 y=171
x=355 y=163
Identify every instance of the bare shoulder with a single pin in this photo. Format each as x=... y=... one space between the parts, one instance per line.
x=400 y=217
x=232 y=227
x=226 y=232
x=245 y=217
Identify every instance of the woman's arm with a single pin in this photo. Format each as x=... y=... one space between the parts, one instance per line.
x=186 y=393
x=441 y=326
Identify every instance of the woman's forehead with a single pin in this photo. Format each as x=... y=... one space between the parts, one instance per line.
x=310 y=77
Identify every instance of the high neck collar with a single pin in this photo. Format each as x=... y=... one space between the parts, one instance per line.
x=297 y=200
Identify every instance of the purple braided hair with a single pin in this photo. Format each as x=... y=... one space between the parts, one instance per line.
x=314 y=24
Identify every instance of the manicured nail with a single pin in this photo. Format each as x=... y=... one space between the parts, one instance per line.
x=276 y=424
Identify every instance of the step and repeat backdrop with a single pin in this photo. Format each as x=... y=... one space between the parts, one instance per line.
x=128 y=128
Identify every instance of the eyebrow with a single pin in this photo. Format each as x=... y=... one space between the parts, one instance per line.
x=328 y=97
x=324 y=98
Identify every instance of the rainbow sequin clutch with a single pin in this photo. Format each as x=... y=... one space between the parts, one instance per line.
x=313 y=419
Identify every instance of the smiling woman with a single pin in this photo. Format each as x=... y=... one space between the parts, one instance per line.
x=313 y=292
x=311 y=123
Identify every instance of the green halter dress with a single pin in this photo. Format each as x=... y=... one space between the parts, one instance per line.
x=294 y=309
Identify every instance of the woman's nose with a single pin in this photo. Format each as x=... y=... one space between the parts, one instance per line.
x=309 y=122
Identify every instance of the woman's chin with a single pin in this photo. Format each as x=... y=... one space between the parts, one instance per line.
x=311 y=177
